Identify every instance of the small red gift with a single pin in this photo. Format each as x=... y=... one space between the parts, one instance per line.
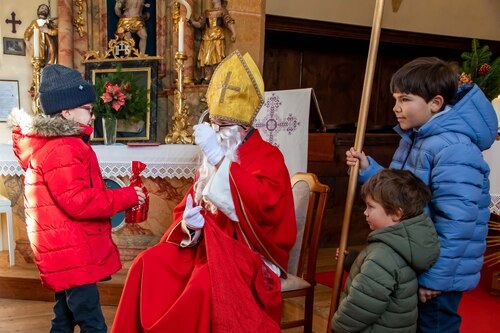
x=139 y=213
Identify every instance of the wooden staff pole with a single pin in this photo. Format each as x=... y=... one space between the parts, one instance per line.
x=358 y=146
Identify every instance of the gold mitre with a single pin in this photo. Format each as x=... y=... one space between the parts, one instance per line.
x=236 y=90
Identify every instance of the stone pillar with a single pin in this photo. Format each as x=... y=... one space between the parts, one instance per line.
x=249 y=17
x=65 y=34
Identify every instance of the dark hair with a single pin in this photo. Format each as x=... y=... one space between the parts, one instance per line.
x=426 y=77
x=397 y=189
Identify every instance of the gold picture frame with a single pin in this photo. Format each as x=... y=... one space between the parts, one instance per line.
x=144 y=130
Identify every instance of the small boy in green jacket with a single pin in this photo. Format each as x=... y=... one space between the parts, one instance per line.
x=381 y=290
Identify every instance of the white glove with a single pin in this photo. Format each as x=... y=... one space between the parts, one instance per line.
x=206 y=137
x=192 y=216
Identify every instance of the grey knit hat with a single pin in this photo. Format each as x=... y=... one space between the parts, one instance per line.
x=63 y=88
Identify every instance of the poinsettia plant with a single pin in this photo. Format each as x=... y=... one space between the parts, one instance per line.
x=478 y=68
x=120 y=96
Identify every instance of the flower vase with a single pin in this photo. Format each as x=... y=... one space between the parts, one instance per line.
x=109 y=130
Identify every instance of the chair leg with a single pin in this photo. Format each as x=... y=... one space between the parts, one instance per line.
x=308 y=312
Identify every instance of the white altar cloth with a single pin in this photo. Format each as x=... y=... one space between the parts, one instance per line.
x=164 y=161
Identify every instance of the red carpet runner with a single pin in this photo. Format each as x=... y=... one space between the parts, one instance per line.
x=479 y=309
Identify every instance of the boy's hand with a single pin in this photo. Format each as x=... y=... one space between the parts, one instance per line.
x=352 y=157
x=425 y=294
x=346 y=252
x=141 y=197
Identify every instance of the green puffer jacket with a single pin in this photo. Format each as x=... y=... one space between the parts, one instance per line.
x=381 y=290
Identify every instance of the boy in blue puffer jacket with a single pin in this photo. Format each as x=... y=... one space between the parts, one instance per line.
x=443 y=132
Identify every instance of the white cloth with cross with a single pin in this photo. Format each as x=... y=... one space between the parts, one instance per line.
x=283 y=121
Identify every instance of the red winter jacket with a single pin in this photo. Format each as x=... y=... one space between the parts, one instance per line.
x=66 y=204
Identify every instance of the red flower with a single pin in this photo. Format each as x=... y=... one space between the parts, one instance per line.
x=113 y=94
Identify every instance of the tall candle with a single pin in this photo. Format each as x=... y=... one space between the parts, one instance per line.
x=181 y=36
x=36 y=43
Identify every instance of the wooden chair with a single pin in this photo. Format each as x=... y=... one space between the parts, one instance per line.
x=309 y=197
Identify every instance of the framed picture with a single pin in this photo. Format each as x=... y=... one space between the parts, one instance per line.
x=9 y=95
x=145 y=73
x=14 y=46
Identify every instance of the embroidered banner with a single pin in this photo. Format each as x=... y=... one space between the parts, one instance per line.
x=283 y=121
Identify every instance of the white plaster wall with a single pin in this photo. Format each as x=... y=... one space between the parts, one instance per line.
x=464 y=18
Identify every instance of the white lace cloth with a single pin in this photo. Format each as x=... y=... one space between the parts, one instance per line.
x=164 y=161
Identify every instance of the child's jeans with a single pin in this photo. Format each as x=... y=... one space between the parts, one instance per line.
x=440 y=314
x=78 y=306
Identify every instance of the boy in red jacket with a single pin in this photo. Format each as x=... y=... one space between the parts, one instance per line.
x=67 y=206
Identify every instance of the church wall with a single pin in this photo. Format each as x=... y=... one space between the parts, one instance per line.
x=462 y=18
x=440 y=18
x=330 y=57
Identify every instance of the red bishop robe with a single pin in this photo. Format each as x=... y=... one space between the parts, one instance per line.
x=221 y=284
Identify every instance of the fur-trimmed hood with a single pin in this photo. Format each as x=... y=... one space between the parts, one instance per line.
x=41 y=125
x=31 y=132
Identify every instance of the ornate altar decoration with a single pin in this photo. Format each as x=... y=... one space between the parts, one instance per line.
x=181 y=129
x=44 y=31
x=144 y=69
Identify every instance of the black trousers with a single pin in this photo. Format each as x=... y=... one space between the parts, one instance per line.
x=78 y=306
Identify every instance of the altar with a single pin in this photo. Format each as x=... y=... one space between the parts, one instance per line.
x=168 y=176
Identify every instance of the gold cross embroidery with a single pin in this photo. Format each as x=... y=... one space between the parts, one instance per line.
x=224 y=86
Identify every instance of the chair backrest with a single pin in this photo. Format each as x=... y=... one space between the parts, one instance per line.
x=309 y=197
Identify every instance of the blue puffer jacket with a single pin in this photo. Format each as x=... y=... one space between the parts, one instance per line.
x=446 y=154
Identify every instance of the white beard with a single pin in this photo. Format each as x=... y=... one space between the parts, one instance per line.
x=229 y=138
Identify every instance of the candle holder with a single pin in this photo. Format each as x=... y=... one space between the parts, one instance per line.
x=36 y=62
x=180 y=125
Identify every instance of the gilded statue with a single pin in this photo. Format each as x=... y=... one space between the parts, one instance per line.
x=47 y=35
x=212 y=46
x=132 y=20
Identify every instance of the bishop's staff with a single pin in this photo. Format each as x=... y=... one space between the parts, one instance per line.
x=358 y=146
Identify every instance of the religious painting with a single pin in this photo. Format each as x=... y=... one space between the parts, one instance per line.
x=14 y=46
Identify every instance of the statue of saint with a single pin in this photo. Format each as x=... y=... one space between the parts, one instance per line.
x=132 y=20
x=47 y=35
x=212 y=47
